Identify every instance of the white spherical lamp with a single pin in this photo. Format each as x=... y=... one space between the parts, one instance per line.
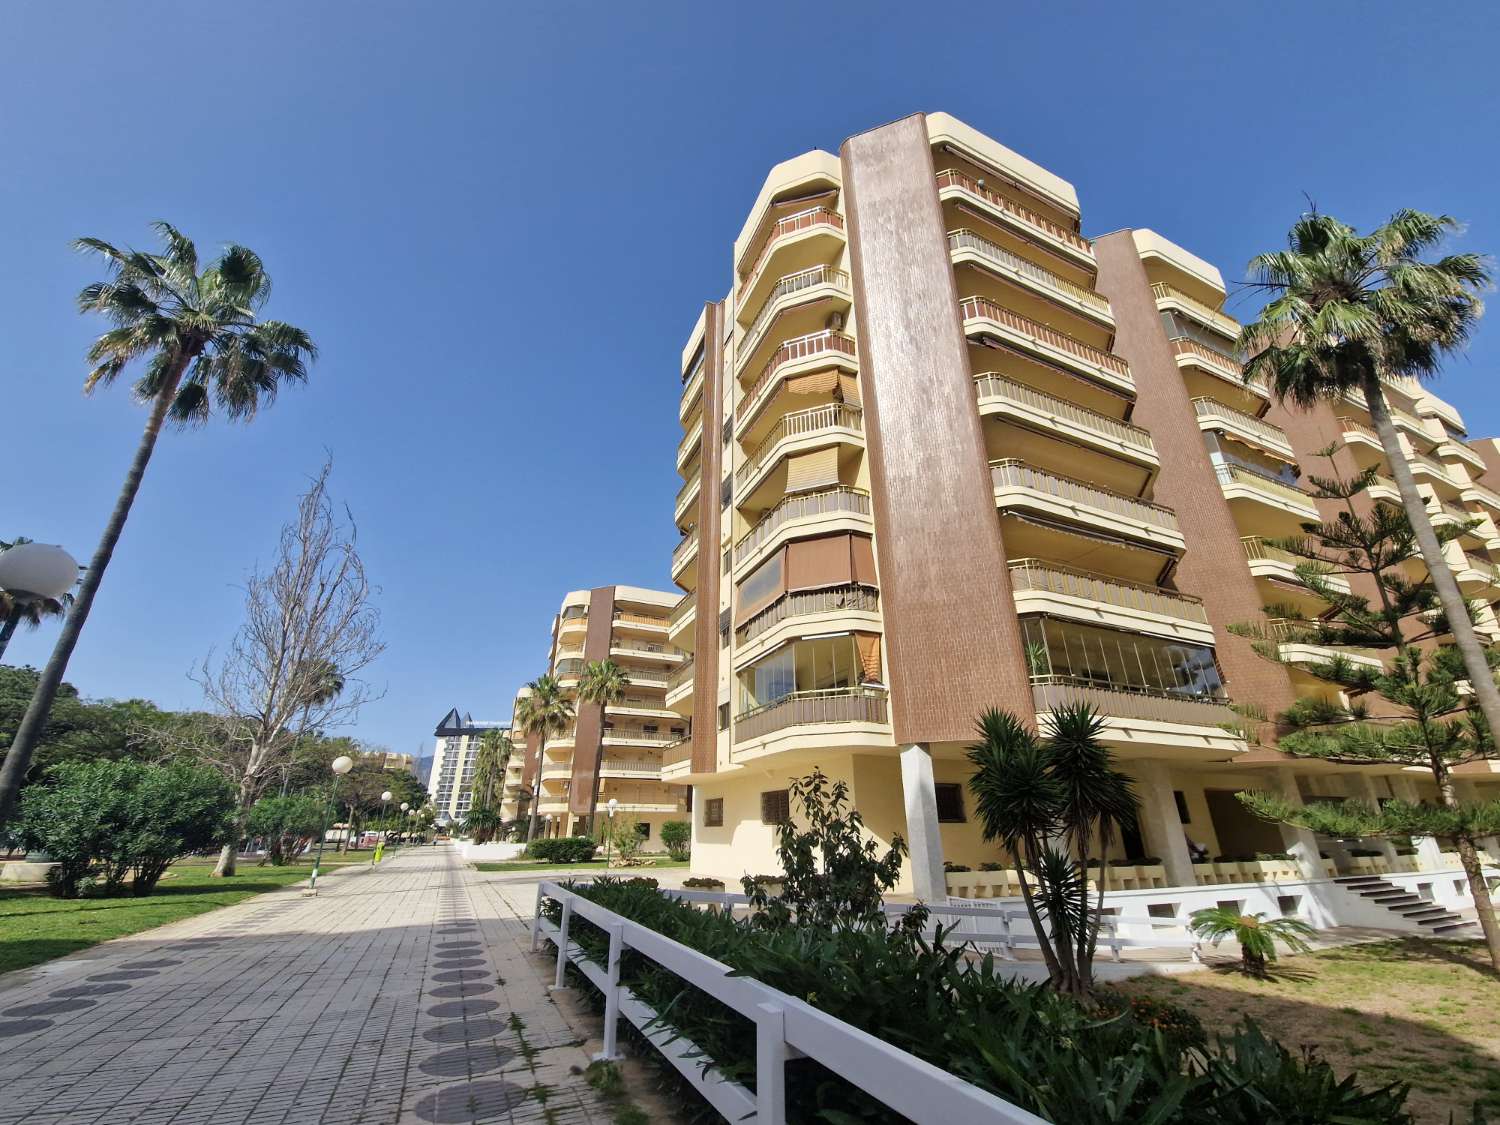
x=386 y=796
x=612 y=806
x=342 y=764
x=405 y=805
x=37 y=570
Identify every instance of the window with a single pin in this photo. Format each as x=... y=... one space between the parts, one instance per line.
x=1182 y=809
x=723 y=716
x=643 y=829
x=775 y=807
x=950 y=803
x=724 y=562
x=1111 y=658
x=726 y=490
x=713 y=812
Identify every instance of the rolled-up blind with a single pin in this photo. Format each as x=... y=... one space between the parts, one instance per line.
x=849 y=388
x=818 y=469
x=819 y=382
x=868 y=645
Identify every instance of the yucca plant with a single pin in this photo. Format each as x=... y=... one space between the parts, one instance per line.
x=1256 y=935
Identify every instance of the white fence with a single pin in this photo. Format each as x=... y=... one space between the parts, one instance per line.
x=786 y=1028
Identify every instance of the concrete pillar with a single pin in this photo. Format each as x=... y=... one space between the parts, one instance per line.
x=922 y=833
x=1429 y=855
x=1161 y=825
x=1299 y=842
x=1367 y=789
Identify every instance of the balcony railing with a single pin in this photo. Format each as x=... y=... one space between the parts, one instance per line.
x=834 y=705
x=1128 y=702
x=827 y=341
x=635 y=734
x=683 y=675
x=644 y=648
x=684 y=549
x=971 y=307
x=852 y=500
x=952 y=177
x=576 y=621
x=1225 y=324
x=791 y=224
x=1221 y=364
x=791 y=283
x=630 y=767
x=1271 y=435
x=697 y=367
x=690 y=439
x=678 y=752
x=1434 y=467
x=683 y=607
x=570 y=666
x=992 y=385
x=964 y=239
x=1012 y=473
x=686 y=490
x=1241 y=474
x=643 y=678
x=1052 y=578
x=801 y=603
x=1481 y=494
x=799 y=423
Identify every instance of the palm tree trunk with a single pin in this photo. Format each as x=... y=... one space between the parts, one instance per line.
x=1468 y=858
x=1054 y=970
x=8 y=630
x=1455 y=606
x=18 y=761
x=536 y=789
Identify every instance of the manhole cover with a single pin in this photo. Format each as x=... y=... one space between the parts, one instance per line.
x=459 y=1031
x=447 y=991
x=452 y=1010
x=470 y=1101
x=449 y=975
x=465 y=1062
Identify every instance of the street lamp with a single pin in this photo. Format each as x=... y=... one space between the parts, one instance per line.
x=404 y=806
x=32 y=573
x=384 y=832
x=609 y=830
x=341 y=765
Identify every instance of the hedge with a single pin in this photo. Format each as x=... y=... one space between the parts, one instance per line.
x=562 y=849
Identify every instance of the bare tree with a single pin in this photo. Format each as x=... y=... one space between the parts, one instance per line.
x=309 y=622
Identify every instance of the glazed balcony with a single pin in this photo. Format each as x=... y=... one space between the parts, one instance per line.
x=849 y=598
x=1215 y=415
x=684 y=553
x=982 y=315
x=808 y=284
x=1019 y=485
x=811 y=428
x=1135 y=704
x=1027 y=406
x=965 y=246
x=1169 y=297
x=815 y=224
x=815 y=351
x=1040 y=586
x=1034 y=228
x=805 y=506
x=856 y=705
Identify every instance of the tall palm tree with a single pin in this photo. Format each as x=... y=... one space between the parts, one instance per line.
x=602 y=682
x=1348 y=310
x=202 y=345
x=543 y=710
x=494 y=753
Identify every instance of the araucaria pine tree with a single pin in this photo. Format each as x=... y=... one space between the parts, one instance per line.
x=1414 y=709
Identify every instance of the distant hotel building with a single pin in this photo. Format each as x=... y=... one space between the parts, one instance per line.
x=450 y=784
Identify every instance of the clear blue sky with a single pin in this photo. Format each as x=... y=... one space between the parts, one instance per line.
x=499 y=220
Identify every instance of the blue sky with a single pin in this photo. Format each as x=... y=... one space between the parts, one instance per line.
x=499 y=222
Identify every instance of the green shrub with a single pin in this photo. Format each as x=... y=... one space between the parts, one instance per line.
x=956 y=868
x=562 y=849
x=677 y=838
x=702 y=882
x=992 y=866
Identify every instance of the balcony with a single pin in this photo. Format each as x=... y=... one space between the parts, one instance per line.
x=848 y=598
x=1456 y=450
x=642 y=768
x=640 y=677
x=812 y=221
x=1112 y=701
x=1171 y=298
x=816 y=350
x=859 y=705
x=831 y=502
x=1023 y=221
x=1267 y=561
x=1253 y=431
x=837 y=421
x=1243 y=483
x=1036 y=409
x=689 y=443
x=981 y=315
x=628 y=736
x=684 y=552
x=966 y=246
x=1191 y=353
x=683 y=675
x=686 y=495
x=1020 y=485
x=679 y=753
x=646 y=650
x=680 y=689
x=684 y=614
x=807 y=283
x=1046 y=587
x=1302 y=643
x=692 y=390
x=1475 y=493
x=576 y=622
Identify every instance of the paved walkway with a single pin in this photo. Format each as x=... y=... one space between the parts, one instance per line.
x=401 y=994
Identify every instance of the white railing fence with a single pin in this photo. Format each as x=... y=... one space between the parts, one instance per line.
x=786 y=1028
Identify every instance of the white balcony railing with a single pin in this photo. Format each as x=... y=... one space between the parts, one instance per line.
x=991 y=385
x=799 y=423
x=964 y=239
x=1012 y=473
x=793 y=283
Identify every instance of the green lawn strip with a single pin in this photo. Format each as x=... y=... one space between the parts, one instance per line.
x=35 y=927
x=592 y=865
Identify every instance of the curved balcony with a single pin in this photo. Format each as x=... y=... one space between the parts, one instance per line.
x=686 y=497
x=1027 y=406
x=812 y=428
x=849 y=598
x=857 y=705
x=1215 y=415
x=684 y=553
x=684 y=617
x=816 y=351
x=964 y=246
x=689 y=443
x=808 y=284
x=1171 y=298
x=982 y=315
x=1040 y=586
x=1020 y=485
x=809 y=505
x=680 y=686
x=1023 y=221
x=803 y=225
x=1191 y=353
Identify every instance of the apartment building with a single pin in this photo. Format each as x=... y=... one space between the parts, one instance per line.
x=451 y=783
x=942 y=453
x=613 y=751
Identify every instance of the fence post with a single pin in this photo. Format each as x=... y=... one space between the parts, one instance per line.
x=611 y=1052
x=770 y=1065
x=1010 y=937
x=562 y=945
x=536 y=920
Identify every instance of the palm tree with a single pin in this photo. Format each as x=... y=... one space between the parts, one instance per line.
x=1348 y=311
x=202 y=345
x=494 y=753
x=1256 y=936
x=602 y=682
x=1032 y=793
x=542 y=709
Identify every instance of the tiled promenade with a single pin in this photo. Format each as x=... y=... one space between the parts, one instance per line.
x=398 y=995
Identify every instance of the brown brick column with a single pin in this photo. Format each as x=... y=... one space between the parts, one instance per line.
x=587 y=741
x=710 y=512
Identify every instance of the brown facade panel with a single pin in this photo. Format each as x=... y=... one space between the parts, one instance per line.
x=587 y=745
x=1214 y=567
x=706 y=624
x=952 y=637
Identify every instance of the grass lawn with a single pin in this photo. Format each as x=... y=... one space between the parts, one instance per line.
x=590 y=865
x=1422 y=1012
x=35 y=927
